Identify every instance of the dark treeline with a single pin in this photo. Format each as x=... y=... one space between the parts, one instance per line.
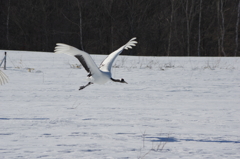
x=162 y=27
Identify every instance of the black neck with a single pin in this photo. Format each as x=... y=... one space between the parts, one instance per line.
x=115 y=80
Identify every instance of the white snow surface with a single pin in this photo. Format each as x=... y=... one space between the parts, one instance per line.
x=172 y=107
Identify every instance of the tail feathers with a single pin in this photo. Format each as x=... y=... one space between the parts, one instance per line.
x=130 y=44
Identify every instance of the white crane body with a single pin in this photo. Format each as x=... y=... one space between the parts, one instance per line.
x=97 y=75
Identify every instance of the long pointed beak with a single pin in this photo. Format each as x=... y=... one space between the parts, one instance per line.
x=125 y=82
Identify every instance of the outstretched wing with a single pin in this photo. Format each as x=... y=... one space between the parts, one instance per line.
x=3 y=78
x=107 y=63
x=84 y=58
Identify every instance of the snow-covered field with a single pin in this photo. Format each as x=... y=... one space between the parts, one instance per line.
x=172 y=107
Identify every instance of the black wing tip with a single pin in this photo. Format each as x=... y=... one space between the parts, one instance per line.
x=83 y=62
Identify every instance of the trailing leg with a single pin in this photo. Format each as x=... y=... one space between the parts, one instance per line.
x=82 y=87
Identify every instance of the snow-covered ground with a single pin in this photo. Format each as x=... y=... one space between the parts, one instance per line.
x=172 y=107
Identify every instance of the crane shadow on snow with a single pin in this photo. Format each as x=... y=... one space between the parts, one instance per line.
x=172 y=139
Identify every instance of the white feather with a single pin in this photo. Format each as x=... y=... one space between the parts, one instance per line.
x=3 y=78
x=106 y=65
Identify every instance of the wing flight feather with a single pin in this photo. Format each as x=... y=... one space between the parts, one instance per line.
x=107 y=63
x=3 y=78
x=84 y=58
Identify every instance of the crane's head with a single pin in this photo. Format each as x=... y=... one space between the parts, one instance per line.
x=122 y=81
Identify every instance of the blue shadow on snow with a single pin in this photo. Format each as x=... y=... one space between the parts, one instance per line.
x=172 y=139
